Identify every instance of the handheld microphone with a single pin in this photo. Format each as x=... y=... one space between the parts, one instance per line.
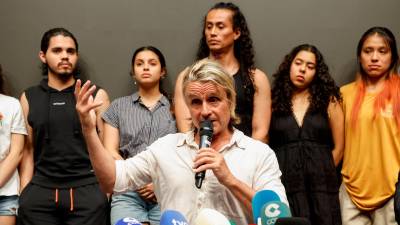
x=128 y=221
x=210 y=217
x=206 y=133
x=172 y=217
x=271 y=211
x=259 y=200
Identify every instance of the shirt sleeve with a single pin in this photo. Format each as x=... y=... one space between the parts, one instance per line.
x=18 y=121
x=134 y=172
x=111 y=115
x=268 y=175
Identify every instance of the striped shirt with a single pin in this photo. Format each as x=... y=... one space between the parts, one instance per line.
x=138 y=126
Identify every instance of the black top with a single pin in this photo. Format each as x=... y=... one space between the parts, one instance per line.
x=244 y=103
x=304 y=153
x=60 y=155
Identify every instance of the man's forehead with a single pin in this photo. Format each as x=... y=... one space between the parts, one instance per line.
x=62 y=41
x=203 y=88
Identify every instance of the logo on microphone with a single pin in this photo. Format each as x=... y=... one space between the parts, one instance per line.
x=177 y=222
x=128 y=221
x=272 y=210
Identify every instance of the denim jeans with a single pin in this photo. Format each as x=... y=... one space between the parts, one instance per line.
x=130 y=204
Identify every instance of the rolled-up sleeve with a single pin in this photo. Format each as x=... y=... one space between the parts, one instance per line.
x=134 y=172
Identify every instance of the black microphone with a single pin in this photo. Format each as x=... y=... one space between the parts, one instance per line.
x=206 y=133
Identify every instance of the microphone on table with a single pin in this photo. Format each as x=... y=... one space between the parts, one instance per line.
x=211 y=217
x=128 y=221
x=172 y=217
x=259 y=200
x=206 y=133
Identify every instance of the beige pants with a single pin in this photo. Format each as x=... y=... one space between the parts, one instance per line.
x=351 y=215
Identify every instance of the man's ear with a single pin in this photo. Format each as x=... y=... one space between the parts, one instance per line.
x=42 y=57
x=237 y=34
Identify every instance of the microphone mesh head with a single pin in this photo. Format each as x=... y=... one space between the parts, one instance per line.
x=206 y=128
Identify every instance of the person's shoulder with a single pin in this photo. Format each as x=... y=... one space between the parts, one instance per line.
x=348 y=87
x=169 y=138
x=260 y=78
x=122 y=99
x=101 y=94
x=9 y=100
x=169 y=141
x=254 y=145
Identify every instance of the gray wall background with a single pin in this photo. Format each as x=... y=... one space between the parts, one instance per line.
x=109 y=31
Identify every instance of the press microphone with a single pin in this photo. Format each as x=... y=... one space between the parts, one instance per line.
x=206 y=133
x=259 y=200
x=273 y=210
x=172 y=217
x=211 y=217
x=128 y=221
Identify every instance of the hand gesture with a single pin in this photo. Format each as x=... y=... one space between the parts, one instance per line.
x=85 y=104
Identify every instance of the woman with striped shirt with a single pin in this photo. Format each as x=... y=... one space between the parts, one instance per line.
x=134 y=122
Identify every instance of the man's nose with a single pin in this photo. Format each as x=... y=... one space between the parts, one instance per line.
x=64 y=54
x=214 y=31
x=205 y=110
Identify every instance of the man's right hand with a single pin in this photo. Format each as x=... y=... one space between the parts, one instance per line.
x=85 y=104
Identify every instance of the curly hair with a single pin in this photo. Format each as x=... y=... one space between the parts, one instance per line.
x=322 y=88
x=243 y=46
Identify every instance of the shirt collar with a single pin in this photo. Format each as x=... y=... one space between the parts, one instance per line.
x=136 y=99
x=238 y=139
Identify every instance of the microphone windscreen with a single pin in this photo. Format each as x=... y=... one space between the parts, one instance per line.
x=271 y=211
x=210 y=217
x=128 y=221
x=293 y=221
x=259 y=199
x=172 y=217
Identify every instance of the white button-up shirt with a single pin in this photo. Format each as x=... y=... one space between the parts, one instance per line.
x=168 y=163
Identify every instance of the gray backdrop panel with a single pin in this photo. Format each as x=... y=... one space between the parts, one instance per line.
x=109 y=31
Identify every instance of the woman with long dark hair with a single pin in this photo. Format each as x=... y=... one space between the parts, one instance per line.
x=306 y=134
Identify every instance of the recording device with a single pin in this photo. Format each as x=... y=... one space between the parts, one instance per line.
x=273 y=210
x=128 y=221
x=259 y=200
x=172 y=217
x=210 y=217
x=206 y=133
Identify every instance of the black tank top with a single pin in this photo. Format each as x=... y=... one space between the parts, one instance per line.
x=60 y=155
